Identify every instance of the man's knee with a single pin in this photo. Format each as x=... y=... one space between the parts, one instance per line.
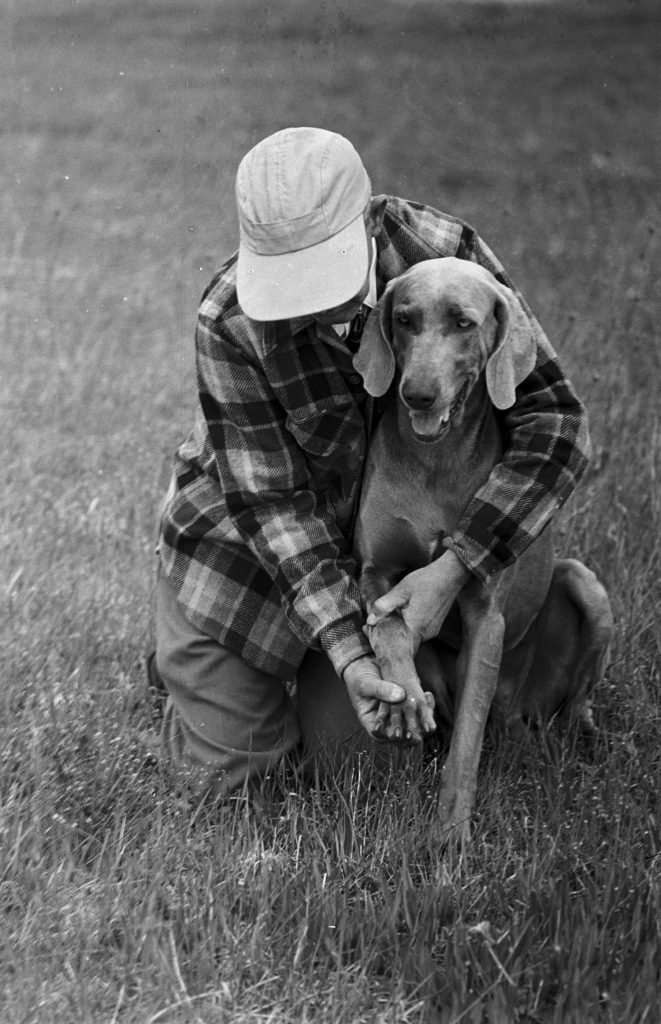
x=221 y=713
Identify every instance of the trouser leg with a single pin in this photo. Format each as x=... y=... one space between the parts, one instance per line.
x=230 y=720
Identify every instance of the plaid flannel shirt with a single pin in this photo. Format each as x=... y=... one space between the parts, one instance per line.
x=255 y=527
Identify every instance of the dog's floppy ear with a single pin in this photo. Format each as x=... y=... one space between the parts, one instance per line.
x=375 y=360
x=513 y=357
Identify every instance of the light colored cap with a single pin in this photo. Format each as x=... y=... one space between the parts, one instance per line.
x=301 y=196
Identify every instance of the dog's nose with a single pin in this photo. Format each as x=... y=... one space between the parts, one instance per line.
x=417 y=398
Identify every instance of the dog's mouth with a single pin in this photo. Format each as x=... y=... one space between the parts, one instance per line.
x=430 y=427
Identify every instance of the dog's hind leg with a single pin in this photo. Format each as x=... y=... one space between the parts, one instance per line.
x=574 y=634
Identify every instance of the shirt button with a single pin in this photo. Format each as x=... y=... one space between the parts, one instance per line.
x=355 y=379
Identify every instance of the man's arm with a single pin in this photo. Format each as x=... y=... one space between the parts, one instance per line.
x=546 y=451
x=272 y=501
x=289 y=527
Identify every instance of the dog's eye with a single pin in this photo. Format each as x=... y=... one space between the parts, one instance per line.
x=401 y=317
x=464 y=323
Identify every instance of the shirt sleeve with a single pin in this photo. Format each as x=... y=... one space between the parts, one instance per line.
x=272 y=500
x=547 y=449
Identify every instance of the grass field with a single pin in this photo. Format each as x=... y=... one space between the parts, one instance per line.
x=122 y=127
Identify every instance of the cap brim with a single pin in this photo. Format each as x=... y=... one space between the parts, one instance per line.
x=307 y=281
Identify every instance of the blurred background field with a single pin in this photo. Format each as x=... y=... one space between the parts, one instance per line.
x=122 y=127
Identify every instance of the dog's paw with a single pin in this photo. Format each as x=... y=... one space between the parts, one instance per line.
x=455 y=836
x=407 y=723
x=454 y=815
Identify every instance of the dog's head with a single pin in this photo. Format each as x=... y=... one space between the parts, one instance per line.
x=441 y=325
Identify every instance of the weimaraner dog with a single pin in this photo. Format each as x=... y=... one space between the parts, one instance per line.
x=533 y=642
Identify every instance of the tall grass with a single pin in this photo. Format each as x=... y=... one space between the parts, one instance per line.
x=121 y=899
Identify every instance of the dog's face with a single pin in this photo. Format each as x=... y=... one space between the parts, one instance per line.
x=443 y=325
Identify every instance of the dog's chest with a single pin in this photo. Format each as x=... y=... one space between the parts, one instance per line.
x=415 y=494
x=429 y=497
x=408 y=511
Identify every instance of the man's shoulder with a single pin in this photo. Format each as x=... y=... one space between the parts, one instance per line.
x=221 y=316
x=219 y=297
x=413 y=232
x=437 y=229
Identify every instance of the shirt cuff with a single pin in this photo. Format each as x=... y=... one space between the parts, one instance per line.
x=344 y=642
x=478 y=561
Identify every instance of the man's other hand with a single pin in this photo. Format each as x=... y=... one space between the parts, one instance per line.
x=424 y=597
x=367 y=691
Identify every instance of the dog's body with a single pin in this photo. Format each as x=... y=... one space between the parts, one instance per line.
x=532 y=642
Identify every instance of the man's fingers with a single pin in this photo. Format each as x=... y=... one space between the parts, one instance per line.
x=381 y=720
x=396 y=598
x=389 y=693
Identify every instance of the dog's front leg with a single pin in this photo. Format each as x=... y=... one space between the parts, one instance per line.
x=479 y=665
x=394 y=648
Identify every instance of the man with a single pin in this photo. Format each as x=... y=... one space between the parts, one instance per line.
x=257 y=585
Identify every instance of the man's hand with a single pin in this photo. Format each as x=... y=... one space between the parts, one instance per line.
x=424 y=597
x=367 y=690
